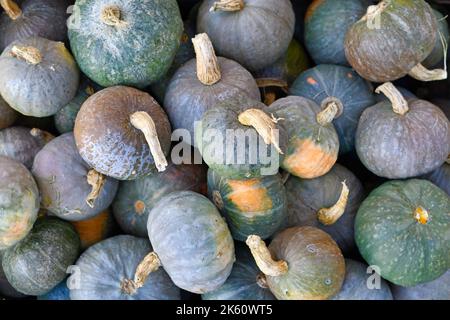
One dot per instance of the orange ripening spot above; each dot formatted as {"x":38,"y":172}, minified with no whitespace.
{"x":349,"y":75}
{"x":249,"y":195}
{"x":312,"y":8}
{"x":311,"y":81}
{"x":139,"y":207}
{"x":15,"y":232}
{"x":92,"y":230}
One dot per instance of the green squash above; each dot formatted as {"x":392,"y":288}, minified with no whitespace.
{"x":7,"y":114}
{"x":6,"y":290}
{"x":253,"y":206}
{"x":192,"y":241}
{"x":438,"y":289}
{"x":403,"y":228}
{"x":39,"y":262}
{"x":125,"y":42}
{"x":19,"y":202}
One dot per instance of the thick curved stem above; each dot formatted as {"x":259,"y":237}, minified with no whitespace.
{"x":96,"y":180}
{"x":263,"y":124}
{"x":399,"y":103}
{"x":208,"y":70}
{"x":264,"y":259}
{"x":421,"y":73}
{"x":329,"y":216}
{"x":149,"y":264}
{"x":421,"y":215}
{"x":374,"y":11}
{"x":11,"y":8}
{"x":142,"y":121}
{"x":112,"y":16}
{"x":327,"y":115}
{"x":41,"y":134}
{"x":228,"y":5}
{"x":31,"y":55}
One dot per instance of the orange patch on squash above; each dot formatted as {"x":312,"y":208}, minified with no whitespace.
{"x":311,"y":81}
{"x":312,"y":8}
{"x":249,"y":195}
{"x":92,"y":230}
{"x":139,"y":207}
{"x":309,"y":161}
{"x":16,"y":232}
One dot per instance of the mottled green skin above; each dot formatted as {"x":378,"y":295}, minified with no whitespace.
{"x":437,"y":55}
{"x":388,"y":235}
{"x":6,"y":290}
{"x":192,"y":241}
{"x":261,"y":212}
{"x":438,"y":289}
{"x":136,"y":53}
{"x":38,"y":263}
{"x":19,"y":202}
{"x":7,"y":114}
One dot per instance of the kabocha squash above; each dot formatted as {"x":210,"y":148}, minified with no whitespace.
{"x":125,"y":42}
{"x":329,"y":202}
{"x":27,"y":18}
{"x":301,"y":263}
{"x":326,"y":23}
{"x":357,"y":281}
{"x":400,"y":139}
{"x":438,"y":289}
{"x":6,"y":290}
{"x":7,"y":114}
{"x":35,"y":265}
{"x":254,"y":33}
{"x":37,"y":76}
{"x":331,"y":84}
{"x":60,"y":292}
{"x":403,"y":227}
{"x":137,"y":198}
{"x":313,"y":141}
{"x":19,"y":202}
{"x":123,"y":133}
{"x":245,"y":282}
{"x":440,"y":49}
{"x":405,"y":93}
{"x":203,"y":83}
{"x":238,"y":139}
{"x":254,"y":206}
{"x":120,"y":268}
{"x":70,"y":189}
{"x":441,"y":176}
{"x":392,"y":39}
{"x":192,"y":241}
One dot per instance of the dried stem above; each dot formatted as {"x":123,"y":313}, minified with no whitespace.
{"x":329,"y":216}
{"x":399,"y":103}
{"x":208,"y":70}
{"x":264,"y":259}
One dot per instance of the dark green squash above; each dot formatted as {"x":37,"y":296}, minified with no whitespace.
{"x":327,"y":204}
{"x":125,"y":42}
{"x":6,"y":290}
{"x":254,"y":206}
{"x":60,"y":292}
{"x":313,"y":141}
{"x":7,"y":114}
{"x":400,"y":139}
{"x":301,"y":263}
{"x":39,"y":262}
{"x":37,"y":76}
{"x":403,"y":228}
{"x":204,"y":82}
{"x":438,"y":289}
{"x":135,"y":199}
{"x":117,"y":269}
{"x":437,"y":55}
{"x":19,"y":202}
{"x":123,"y":133}
{"x":327,"y":84}
{"x":192,"y":241}
{"x":245,"y":282}
{"x":254,"y":33}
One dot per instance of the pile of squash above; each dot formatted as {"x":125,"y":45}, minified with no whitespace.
{"x":115,"y":185}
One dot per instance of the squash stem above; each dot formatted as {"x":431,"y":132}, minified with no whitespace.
{"x":264,"y":259}
{"x":263,"y":124}
{"x":96,"y":180}
{"x":112,"y":16}
{"x":31,"y":55}
{"x":142,"y":121}
{"x":329,"y":216}
{"x":421,"y":215}
{"x":228,"y":5}
{"x":149,"y":264}
{"x":421,"y":73}
{"x":208,"y":70}
{"x":374,"y":11}
{"x":11,"y":8}
{"x":399,"y":103}
{"x":331,"y":109}
{"x":41,"y":134}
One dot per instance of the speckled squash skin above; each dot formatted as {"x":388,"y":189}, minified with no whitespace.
{"x":404,"y":37}
{"x":216,"y":149}
{"x":60,"y":292}
{"x":356,"y":282}
{"x":135,"y":199}
{"x":19,"y":202}
{"x":326,"y":23}
{"x":192,"y":241}
{"x":242,"y":284}
{"x":255,"y":206}
{"x":108,"y":141}
{"x":388,"y":234}
{"x":438,"y":289}
{"x":6,"y":290}
{"x":19,"y":144}
{"x":316,"y":265}
{"x":43,"y":18}
{"x":437,"y":55}
{"x":7,"y":114}
{"x":105,"y":265}
{"x":306,"y":197}
{"x":38,"y":263}
{"x":354,"y":93}
{"x":255,"y":37}
{"x":398,"y":146}
{"x":137,"y":52}
{"x":61,"y":175}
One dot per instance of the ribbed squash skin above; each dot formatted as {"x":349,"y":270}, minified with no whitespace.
{"x":389,"y":236}
{"x":438,"y":289}
{"x":192,"y":241}
{"x":7,"y":114}
{"x":344,"y":84}
{"x":136,"y":53}
{"x":255,"y":206}
{"x":38,"y":263}
{"x":19,"y":202}
{"x":106,"y":264}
